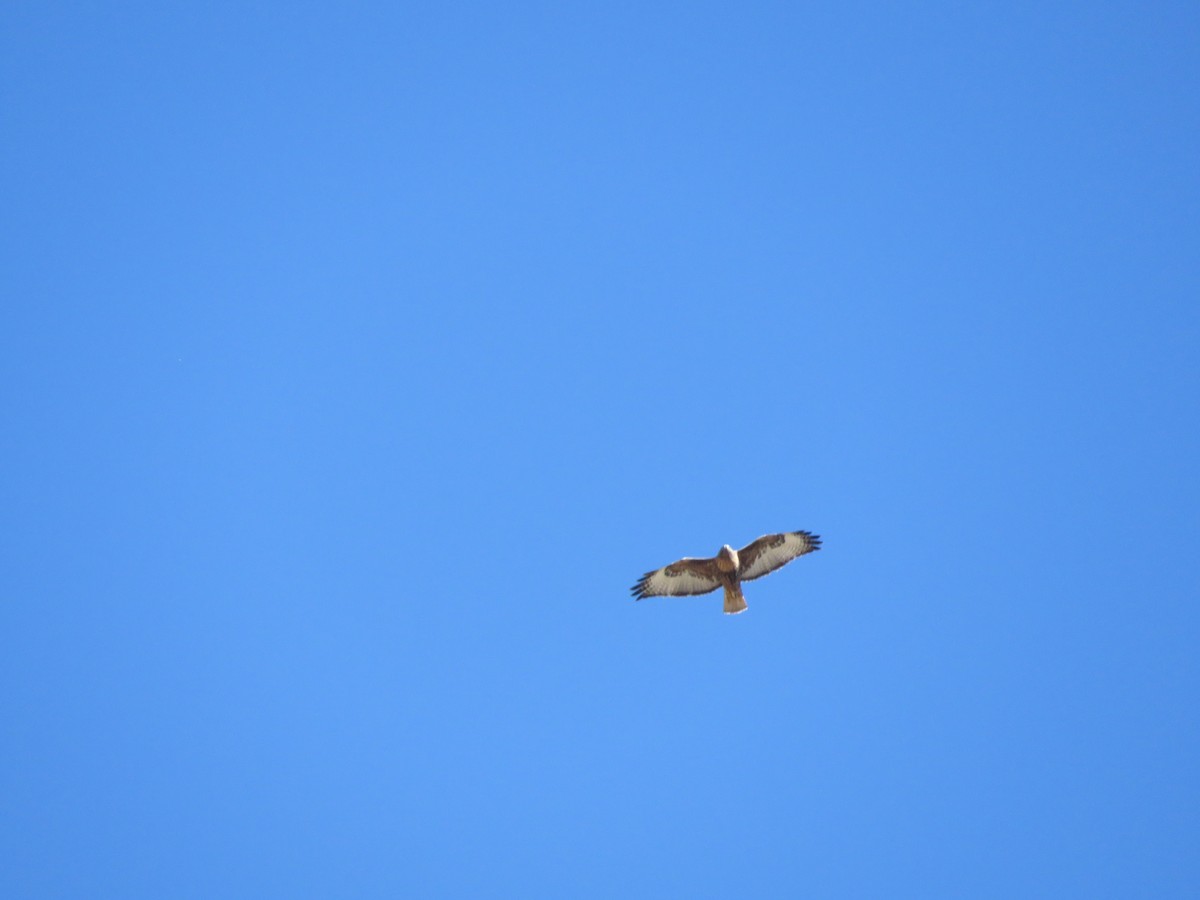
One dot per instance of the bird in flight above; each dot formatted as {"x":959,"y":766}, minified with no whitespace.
{"x":728,"y":569}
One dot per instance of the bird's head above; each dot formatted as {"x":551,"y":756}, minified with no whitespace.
{"x":728,"y":554}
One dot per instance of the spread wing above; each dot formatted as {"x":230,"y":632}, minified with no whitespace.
{"x":771,"y":551}
{"x":688,"y":576}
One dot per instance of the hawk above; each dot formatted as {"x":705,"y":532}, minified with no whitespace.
{"x":728,"y":569}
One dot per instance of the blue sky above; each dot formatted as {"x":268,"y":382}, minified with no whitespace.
{"x":357,"y":359}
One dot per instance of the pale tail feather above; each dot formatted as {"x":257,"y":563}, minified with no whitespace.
{"x":734,"y":601}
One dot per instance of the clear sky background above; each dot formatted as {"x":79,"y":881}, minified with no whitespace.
{"x":357,"y":358}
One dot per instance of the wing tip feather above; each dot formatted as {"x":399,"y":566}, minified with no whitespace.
{"x":642,"y":587}
{"x":813,"y":540}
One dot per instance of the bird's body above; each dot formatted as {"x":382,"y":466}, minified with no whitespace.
{"x":728,"y":569}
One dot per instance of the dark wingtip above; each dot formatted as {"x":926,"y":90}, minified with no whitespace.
{"x":814,"y":540}
{"x":639,"y":590}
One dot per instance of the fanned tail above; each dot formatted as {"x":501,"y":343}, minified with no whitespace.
{"x":734,"y":601}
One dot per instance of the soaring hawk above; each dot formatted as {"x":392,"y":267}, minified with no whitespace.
{"x":728,"y":569}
